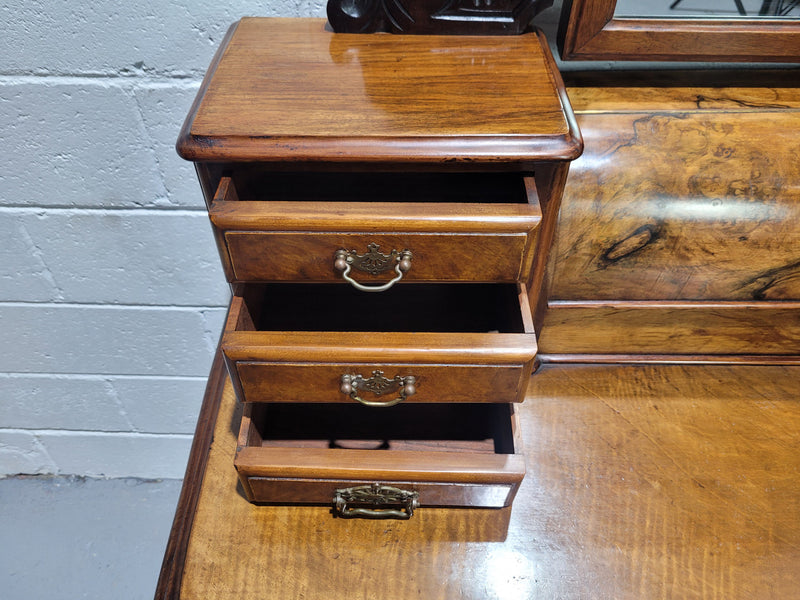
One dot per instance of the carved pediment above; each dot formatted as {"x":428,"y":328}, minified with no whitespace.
{"x":489,"y":17}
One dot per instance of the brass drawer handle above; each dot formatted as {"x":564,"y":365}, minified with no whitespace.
{"x":378,"y":497}
{"x":374,"y":263}
{"x":378,"y":385}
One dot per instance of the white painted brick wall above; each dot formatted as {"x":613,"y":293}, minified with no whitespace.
{"x":111,"y":294}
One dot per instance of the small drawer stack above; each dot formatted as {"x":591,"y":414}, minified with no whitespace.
{"x":383,"y":207}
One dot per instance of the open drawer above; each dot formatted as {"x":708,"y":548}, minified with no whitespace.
{"x":380,"y":463}
{"x":416,"y":342}
{"x":443,"y":226}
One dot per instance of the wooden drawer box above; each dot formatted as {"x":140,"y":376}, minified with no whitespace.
{"x":279,"y":226}
{"x":441,"y":454}
{"x":461,"y":342}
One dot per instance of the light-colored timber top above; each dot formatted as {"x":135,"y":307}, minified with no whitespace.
{"x":642,"y":482}
{"x":290,"y":90}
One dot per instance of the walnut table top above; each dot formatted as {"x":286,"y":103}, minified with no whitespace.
{"x":643,"y":482}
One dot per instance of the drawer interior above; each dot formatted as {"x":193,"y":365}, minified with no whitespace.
{"x":254,"y":184}
{"x":473,"y":428}
{"x":440,"y":307}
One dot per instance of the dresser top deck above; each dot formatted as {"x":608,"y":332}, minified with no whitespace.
{"x":290,"y":90}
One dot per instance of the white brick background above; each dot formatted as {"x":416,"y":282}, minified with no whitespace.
{"x":111,"y":294}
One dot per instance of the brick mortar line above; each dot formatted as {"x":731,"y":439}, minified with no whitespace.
{"x":96,"y":433}
{"x":98,"y":376}
{"x":37,"y":210}
{"x":191,"y":81}
{"x":149,"y":307}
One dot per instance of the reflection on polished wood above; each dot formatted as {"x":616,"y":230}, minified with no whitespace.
{"x":476,"y":17}
{"x":287,"y":90}
{"x":643,"y":482}
{"x":693,"y":207}
{"x":680,"y":225}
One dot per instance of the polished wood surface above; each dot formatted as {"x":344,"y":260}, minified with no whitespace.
{"x":305,"y":360}
{"x":468,"y":237}
{"x":590,"y":31}
{"x":643,"y":482}
{"x":694,"y":92}
{"x":686,"y":205}
{"x":680,"y":227}
{"x":494,"y":17}
{"x":672,"y":328}
{"x":287,"y":90}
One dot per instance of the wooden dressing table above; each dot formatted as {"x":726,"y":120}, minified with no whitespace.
{"x":642,"y":481}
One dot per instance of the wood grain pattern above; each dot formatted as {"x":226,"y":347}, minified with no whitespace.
{"x":319,"y":382}
{"x":672,"y":328}
{"x":590,"y":31}
{"x":169,"y":582}
{"x":643,"y":482}
{"x":682,"y":206}
{"x":640,"y":93}
{"x":289,"y":256}
{"x":680,"y":228}
{"x":288,"y":90}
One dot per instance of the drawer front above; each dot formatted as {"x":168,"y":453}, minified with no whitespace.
{"x":430,"y":494}
{"x":274,"y":359}
{"x":315,"y":382}
{"x":445,"y":256}
{"x":471,"y":241}
{"x":444,"y":459}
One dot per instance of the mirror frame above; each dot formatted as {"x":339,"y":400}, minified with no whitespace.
{"x":590,"y":31}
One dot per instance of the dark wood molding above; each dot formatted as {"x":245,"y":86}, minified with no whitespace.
{"x":590,"y":31}
{"x":464,"y":17}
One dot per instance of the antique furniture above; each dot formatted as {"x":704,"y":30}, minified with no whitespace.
{"x":643,"y":480}
{"x":679,"y":235}
{"x":384,"y":207}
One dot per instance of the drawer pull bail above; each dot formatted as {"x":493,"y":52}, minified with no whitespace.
{"x":374,"y":502}
{"x":378,"y":385}
{"x":374,"y":263}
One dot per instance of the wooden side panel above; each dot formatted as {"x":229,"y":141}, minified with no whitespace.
{"x":682,"y":206}
{"x":678,"y":329}
{"x":679,"y":232}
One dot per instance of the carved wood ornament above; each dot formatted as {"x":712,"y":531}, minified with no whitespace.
{"x":479,"y":17}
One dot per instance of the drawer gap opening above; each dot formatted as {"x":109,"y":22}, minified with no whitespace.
{"x":440,"y":307}
{"x":489,"y":188}
{"x":474,"y":428}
